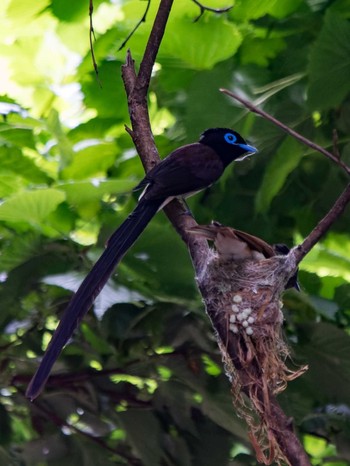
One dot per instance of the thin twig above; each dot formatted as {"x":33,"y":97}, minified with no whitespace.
{"x":288,"y":130}
{"x":204,"y":8}
{"x":91,"y":39}
{"x":142,"y":20}
{"x":323,"y":226}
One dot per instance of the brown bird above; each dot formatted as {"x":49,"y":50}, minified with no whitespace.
{"x":237,"y":245}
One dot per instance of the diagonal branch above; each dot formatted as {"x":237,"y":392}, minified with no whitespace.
{"x":288,"y":130}
{"x":323,"y":226}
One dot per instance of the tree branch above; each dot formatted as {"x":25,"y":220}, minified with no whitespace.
{"x":288,"y":130}
{"x":136,"y":86}
{"x":300,"y":251}
{"x":324,"y":225}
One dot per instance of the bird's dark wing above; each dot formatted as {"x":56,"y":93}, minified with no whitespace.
{"x":187,"y":169}
{"x":119,"y":243}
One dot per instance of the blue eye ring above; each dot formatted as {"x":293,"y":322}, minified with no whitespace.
{"x":230,"y":138}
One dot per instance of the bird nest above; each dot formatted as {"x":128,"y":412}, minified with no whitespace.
{"x":243,"y":301}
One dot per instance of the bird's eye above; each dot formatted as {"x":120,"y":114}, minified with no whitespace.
{"x":230,"y":138}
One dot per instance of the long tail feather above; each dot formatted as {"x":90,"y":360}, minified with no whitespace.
{"x":118,"y":244}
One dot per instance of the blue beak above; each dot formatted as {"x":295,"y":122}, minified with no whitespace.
{"x":248,"y":148}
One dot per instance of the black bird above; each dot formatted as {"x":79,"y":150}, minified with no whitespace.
{"x":237,"y":245}
{"x":185,"y":171}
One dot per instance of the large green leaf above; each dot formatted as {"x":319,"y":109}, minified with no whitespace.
{"x":330,"y":64}
{"x":250,"y":9}
{"x":93,"y":160}
{"x":285,"y":8}
{"x":82,"y":192}
{"x":32,"y":207}
{"x":14,"y":161}
{"x":326,"y":350}
{"x":16,"y":135}
{"x":184,"y":41}
{"x":283,"y":163}
{"x":260,"y":52}
{"x":330,"y":259}
{"x":109,"y":97}
{"x":10,"y":183}
{"x":146,"y":441}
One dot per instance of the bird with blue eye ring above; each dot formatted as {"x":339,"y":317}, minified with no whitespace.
{"x":185,"y":171}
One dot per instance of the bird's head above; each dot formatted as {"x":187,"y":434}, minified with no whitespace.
{"x":228,"y":144}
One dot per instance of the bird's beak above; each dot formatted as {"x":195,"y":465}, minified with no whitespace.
{"x":248,"y":148}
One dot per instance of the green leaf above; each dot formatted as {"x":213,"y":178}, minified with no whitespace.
{"x":10,"y":184}
{"x":329,"y":66}
{"x":145,"y":440}
{"x":19,"y":250}
{"x":261,"y":51}
{"x":93,"y":160}
{"x":342,"y":296}
{"x":285,"y":8}
{"x":341,"y":7}
{"x":31,"y":207}
{"x":83,"y":192}
{"x":23,"y":11}
{"x":250,"y":9}
{"x":284,"y":162}
{"x":13,"y":161}
{"x":329,"y":259}
{"x":108,"y":99}
{"x":64,"y":146}
{"x":17,"y":135}
{"x":326,"y":350}
{"x":67,"y":11}
{"x":184,"y":41}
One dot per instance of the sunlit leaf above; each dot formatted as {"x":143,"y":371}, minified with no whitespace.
{"x":12,"y":160}
{"x":250,"y":9}
{"x":282,"y":9}
{"x":184,"y":41}
{"x":326,"y":261}
{"x":10,"y":184}
{"x":93,"y":160}
{"x":31,"y":207}
{"x":81,"y":192}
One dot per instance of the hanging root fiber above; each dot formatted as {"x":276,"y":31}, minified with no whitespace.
{"x":243,"y":301}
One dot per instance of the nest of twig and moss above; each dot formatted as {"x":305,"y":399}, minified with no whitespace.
{"x":243,"y":301}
